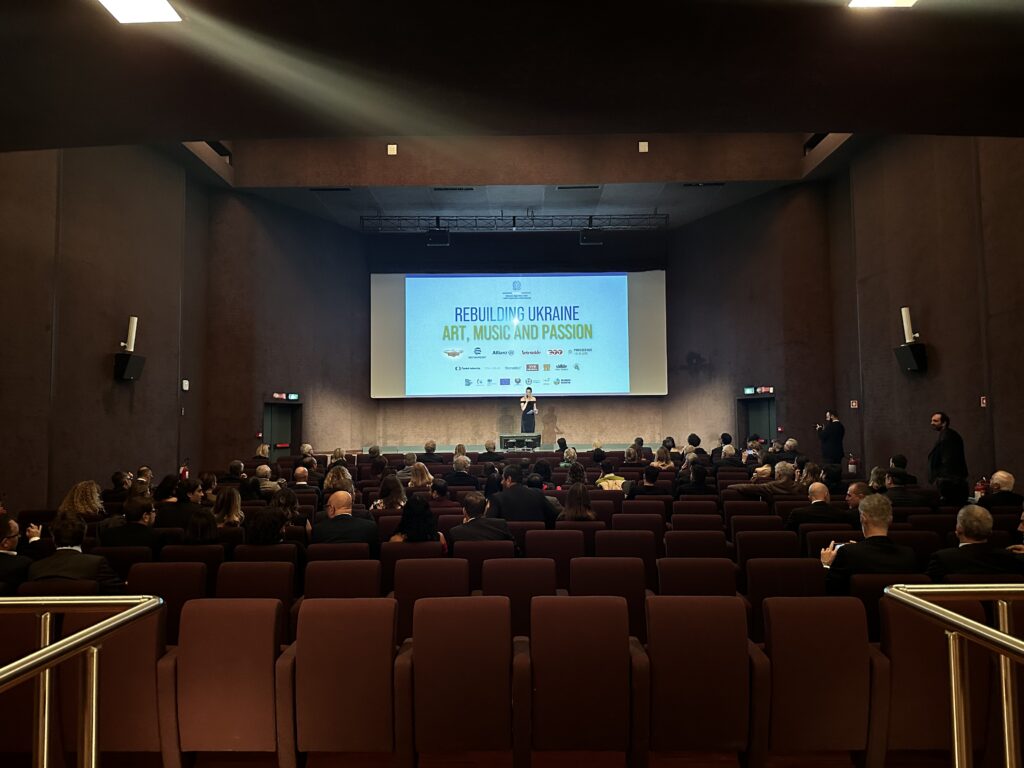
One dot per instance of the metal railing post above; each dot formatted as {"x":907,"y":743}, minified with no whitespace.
{"x":88,"y":741}
{"x":958,"y":700}
{"x":44,"y":689}
{"x":1008,"y":694}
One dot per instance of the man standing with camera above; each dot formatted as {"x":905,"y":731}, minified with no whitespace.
{"x":831,"y":434}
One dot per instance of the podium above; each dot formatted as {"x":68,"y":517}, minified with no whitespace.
{"x":519,"y":442}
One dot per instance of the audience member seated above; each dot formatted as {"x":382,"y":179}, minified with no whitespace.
{"x":264,"y":484}
{"x":663,"y":459}
{"x":145,"y":473}
{"x":789,"y":453}
{"x":177,"y":514}
{"x":301,"y":483}
{"x":475,"y":525}
{"x":264,"y":526}
{"x":561,"y":446}
{"x":338,"y":457}
{"x":692,"y":482}
{"x":717,"y":454}
{"x":140,"y":488}
{"x":693,"y":445}
{"x":597,"y":454}
{"x":13,"y":567}
{"x":421,"y":478}
{"x":202,"y":527}
{"x":208,"y":482}
{"x":263,"y":457}
{"x":341,"y":527}
{"x":807,"y":474}
{"x":492,"y":480}
{"x":378,"y":468}
{"x":313,"y":475}
{"x":489,"y":453}
{"x":68,"y":562}
{"x":647,"y":486}
{"x":855,"y":494}
{"x":900,"y":493}
{"x":339,"y":479}
{"x":405,"y":472}
{"x":137,"y":528}
{"x":832,"y":477}
{"x":875,"y":554}
{"x":163,"y":493}
{"x":440,"y":498}
{"x":784,"y":483}
{"x":247,"y":488}
{"x":392,"y":497}
{"x":974,"y":554}
{"x":418,"y":524}
{"x":727,"y":457}
{"x":876,"y":480}
{"x":632,"y":459}
{"x":286,"y":501}
{"x":459,"y":476}
{"x":543,"y":469}
{"x":609,"y":481}
{"x":576,"y":474}
{"x":899,"y":461}
{"x":568,"y":458}
{"x":820,"y":510}
{"x":430,"y":455}
{"x":459,"y":450}
{"x":120,"y":482}
{"x":518,"y":503}
{"x":577,"y":504}
{"x":1000,"y":492}
{"x":227,"y":510}
{"x":83,"y":500}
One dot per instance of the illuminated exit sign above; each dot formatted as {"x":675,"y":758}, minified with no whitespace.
{"x":285,"y":395}
{"x":759,"y":390}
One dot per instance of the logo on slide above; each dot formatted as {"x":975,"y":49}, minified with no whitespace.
{"x":554,"y":351}
{"x":529,"y":381}
{"x":533,"y":367}
{"x":504,"y":382}
{"x":453,"y":352}
{"x":517,"y":285}
{"x":531,"y":351}
{"x":547,"y":366}
{"x":561,"y":367}
{"x":503,"y":352}
{"x":519,"y":381}
{"x":469,"y":382}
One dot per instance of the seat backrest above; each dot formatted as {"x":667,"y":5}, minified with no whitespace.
{"x":700,"y":679}
{"x":429,"y":577}
{"x":810,"y":640}
{"x":696,"y":576}
{"x":440,"y":651}
{"x":700,"y":507}
{"x":348,"y":550}
{"x":869,"y":588}
{"x":265,"y":553}
{"x":696,"y":522}
{"x":342,"y":579}
{"x":57,"y":588}
{"x":476,"y":553}
{"x":747,"y":507}
{"x":739,"y":523}
{"x":643,"y":522}
{"x":780,"y":577}
{"x":365,"y":665}
{"x":210,"y":554}
{"x":128,"y":717}
{"x":393,"y":551}
{"x":643,"y":506}
{"x":839,"y":532}
{"x":922,"y":542}
{"x":122,"y":559}
{"x":620,"y":576}
{"x":752,"y":544}
{"x":603,"y":509}
{"x":260,"y":579}
{"x":227,"y":650}
{"x":696,"y":544}
{"x":520,"y":580}
{"x":560,"y":545}
{"x":176,"y":583}
{"x":581,"y":688}
{"x":640,"y":544}
{"x":446,"y":522}
{"x":519,"y":529}
{"x":916,"y":647}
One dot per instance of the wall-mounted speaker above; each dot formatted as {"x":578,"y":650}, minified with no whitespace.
{"x":912,"y":357}
{"x":128,"y":366}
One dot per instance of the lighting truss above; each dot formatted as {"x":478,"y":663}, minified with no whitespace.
{"x":569,"y":223}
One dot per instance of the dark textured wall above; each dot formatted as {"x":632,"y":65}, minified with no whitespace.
{"x":98,"y":234}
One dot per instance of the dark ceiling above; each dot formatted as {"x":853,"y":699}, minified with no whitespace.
{"x":270,"y":68}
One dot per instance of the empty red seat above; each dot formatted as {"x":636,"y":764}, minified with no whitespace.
{"x":739,"y":523}
{"x":419,"y":578}
{"x":176,"y":583}
{"x":780,"y":577}
{"x":588,"y":527}
{"x":752,"y":544}
{"x":446,"y":522}
{"x":520,"y":580}
{"x":559,"y":545}
{"x":687,"y":506}
{"x":731,"y":509}
{"x":645,"y":506}
{"x":475,"y":553}
{"x":519,"y":529}
{"x":869,"y":588}
{"x":350,"y":550}
{"x":393,"y":551}
{"x":621,"y":576}
{"x":697,"y":522}
{"x":342,"y":579}
{"x":922,"y":542}
{"x":697,"y":544}
{"x":286,"y":552}
{"x":696,"y":576}
{"x":639,"y":544}
{"x":603,"y":509}
{"x":643,"y":522}
{"x":122,"y":559}
{"x":212,"y":555}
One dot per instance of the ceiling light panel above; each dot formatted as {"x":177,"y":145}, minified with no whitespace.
{"x":141,"y":11}
{"x":882,"y":3}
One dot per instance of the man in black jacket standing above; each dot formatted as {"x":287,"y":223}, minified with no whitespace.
{"x":831,"y":434}
{"x":947,"y":464}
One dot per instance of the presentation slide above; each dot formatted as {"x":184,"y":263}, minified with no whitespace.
{"x":472,"y":335}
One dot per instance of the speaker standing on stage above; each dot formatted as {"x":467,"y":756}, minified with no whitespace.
{"x":528,"y":405}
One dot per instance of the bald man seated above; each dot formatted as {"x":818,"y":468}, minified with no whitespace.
{"x":1000,"y":493}
{"x":820,"y":510}
{"x":340,"y":526}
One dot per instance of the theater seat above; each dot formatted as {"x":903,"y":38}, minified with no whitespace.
{"x":419,"y":578}
{"x":696,"y":522}
{"x":591,"y":696}
{"x":643,"y":522}
{"x":520,"y":580}
{"x":476,"y":553}
{"x":330,"y":722}
{"x":393,"y":551}
{"x":176,"y":583}
{"x":260,"y":580}
{"x":122,"y":559}
{"x":869,"y":587}
{"x":217,"y":688}
{"x":639,"y":544}
{"x":697,"y":544}
{"x":355,"y":550}
{"x":696,"y":576}
{"x":210,"y":554}
{"x":620,"y":576}
{"x":780,"y":577}
{"x":818,"y":645}
{"x":588,"y":527}
{"x":559,"y":545}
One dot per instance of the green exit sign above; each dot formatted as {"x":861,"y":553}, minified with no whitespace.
{"x":748,"y":390}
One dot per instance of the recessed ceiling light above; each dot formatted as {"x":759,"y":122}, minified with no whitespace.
{"x":882,"y":3}
{"x":392,"y":149}
{"x":642,"y":146}
{"x":141,"y":11}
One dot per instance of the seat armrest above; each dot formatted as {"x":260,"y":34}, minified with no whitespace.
{"x":405,"y":731}
{"x":878,"y":714}
{"x":522,"y":702}
{"x":760,"y":706}
{"x":284,"y":676}
{"x":640,"y":727}
{"x":167,"y":708}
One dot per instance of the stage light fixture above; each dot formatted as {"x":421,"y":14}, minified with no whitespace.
{"x":882,"y":3}
{"x":141,"y":11}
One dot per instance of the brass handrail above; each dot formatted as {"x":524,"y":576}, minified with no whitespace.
{"x":86,"y":641}
{"x":960,"y":629}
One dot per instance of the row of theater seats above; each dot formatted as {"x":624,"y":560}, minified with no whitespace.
{"x":580,"y":687}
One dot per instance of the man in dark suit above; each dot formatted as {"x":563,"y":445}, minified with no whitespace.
{"x":13,"y":567}
{"x":790,"y":453}
{"x":475,"y":526}
{"x":459,"y":476}
{"x":727,"y":457}
{"x":137,"y":529}
{"x":974,"y":555}
{"x":313,"y":474}
{"x":177,"y":514}
{"x":694,"y":482}
{"x":440,"y":500}
{"x":340,"y":526}
{"x":430,"y":456}
{"x":947,"y":464}
{"x":302,"y":483}
{"x":118,"y":490}
{"x":68,"y":562}
{"x":875,"y":554}
{"x":716,"y":453}
{"x":901,"y":494}
{"x":518,"y":503}
{"x":648,"y":486}
{"x":899,"y":461}
{"x":831,"y":435}
{"x":1000,"y":492}
{"x":489,"y":454}
{"x":820,"y":510}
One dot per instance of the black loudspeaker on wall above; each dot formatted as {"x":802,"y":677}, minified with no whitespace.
{"x":912,"y":357}
{"x":128,"y":366}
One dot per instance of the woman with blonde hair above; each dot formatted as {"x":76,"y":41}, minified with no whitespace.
{"x":340,"y":479}
{"x":460,"y":450}
{"x":632,"y":458}
{"x":227,"y":509}
{"x":420,"y":479}
{"x":663,"y":459}
{"x":568,"y":458}
{"x":83,"y":500}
